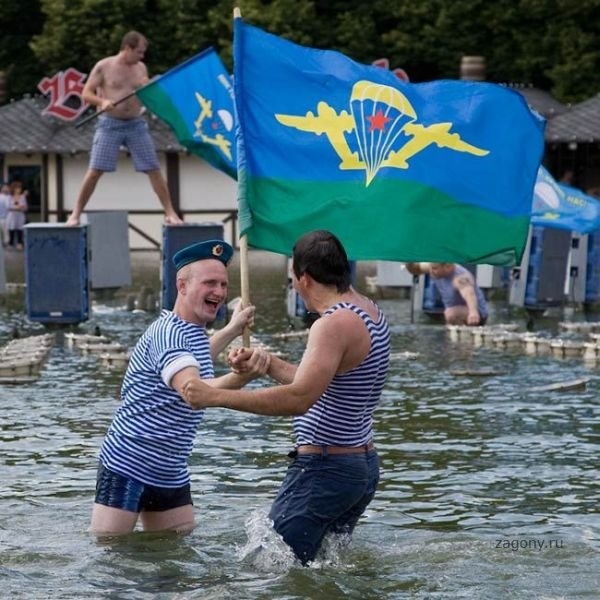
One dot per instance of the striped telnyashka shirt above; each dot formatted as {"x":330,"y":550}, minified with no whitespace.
{"x":153,"y":431}
{"x":343,"y":415}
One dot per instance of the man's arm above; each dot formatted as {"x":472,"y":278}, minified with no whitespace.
{"x":280,"y":370}
{"x":465,"y":285}
{"x":145,"y":78}
{"x":257,"y":366}
{"x":240,"y":319}
{"x":320,"y":362}
{"x":95,"y":82}
{"x":417,"y":268}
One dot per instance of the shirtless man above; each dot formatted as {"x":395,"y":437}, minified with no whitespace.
{"x":121,"y":123}
{"x":464,"y":302}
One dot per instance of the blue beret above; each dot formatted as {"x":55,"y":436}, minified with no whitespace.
{"x":217,"y":249}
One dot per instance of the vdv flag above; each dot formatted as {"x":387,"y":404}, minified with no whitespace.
{"x":440,"y":171}
{"x":196,"y":99}
{"x":562,"y":206}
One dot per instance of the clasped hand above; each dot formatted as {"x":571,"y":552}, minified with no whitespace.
{"x":241,"y":317}
{"x":249,"y":363}
{"x":252,"y":361}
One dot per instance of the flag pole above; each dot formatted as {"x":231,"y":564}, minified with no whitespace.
{"x":244,"y":273}
{"x":99,"y":112}
{"x":415,"y":282}
{"x":244,"y":284}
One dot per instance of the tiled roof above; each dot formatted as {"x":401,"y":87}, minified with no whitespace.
{"x":23,"y":128}
{"x":581,"y":123}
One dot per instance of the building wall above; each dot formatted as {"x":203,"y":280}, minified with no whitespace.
{"x":20,"y":159}
{"x":206,"y":189}
{"x":51,"y":182}
{"x":202,"y":188}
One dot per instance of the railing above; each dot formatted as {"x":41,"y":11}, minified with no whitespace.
{"x":229,"y":218}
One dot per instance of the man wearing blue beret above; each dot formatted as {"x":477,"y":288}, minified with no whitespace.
{"x":143,"y":467}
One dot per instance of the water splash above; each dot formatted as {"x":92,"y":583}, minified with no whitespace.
{"x":265,"y":548}
{"x":267,"y":552}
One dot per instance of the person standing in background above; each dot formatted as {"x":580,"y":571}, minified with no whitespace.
{"x":16,"y":219}
{"x":112,"y":79}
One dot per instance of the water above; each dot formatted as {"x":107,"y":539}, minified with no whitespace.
{"x":488,"y":490}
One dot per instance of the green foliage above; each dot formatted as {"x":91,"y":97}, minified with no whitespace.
{"x":552,"y":44}
{"x":79,"y":32}
{"x":17,"y":61}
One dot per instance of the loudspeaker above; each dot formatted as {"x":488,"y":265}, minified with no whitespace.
{"x":108,"y":243}
{"x":56,"y":273}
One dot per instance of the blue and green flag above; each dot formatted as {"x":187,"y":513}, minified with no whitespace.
{"x":440,"y":171}
{"x":196,"y":99}
{"x":560,"y":206}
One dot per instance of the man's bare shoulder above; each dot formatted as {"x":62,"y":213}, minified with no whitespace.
{"x":336,"y":325}
{"x":104,"y":64}
{"x":142,"y":72}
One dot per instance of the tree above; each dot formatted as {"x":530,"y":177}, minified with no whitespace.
{"x":551,"y":44}
{"x":77,"y":33}
{"x":17,"y":61}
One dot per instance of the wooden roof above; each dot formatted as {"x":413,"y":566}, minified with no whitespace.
{"x":25,"y":129}
{"x":580,"y":123}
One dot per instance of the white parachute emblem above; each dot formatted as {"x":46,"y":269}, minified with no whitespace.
{"x":545,"y":193}
{"x":380,"y":114}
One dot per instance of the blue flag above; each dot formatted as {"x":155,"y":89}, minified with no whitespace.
{"x":440,"y":171}
{"x":561,"y":206}
{"x":196,"y":99}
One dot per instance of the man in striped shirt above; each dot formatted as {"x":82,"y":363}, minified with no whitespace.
{"x":331,"y":394}
{"x":143,"y":470}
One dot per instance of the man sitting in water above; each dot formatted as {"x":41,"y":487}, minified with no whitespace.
{"x":464,"y":302}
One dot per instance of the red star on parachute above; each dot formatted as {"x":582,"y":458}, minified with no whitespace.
{"x":378,"y":121}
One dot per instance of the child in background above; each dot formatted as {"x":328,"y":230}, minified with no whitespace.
{"x":15,"y":220}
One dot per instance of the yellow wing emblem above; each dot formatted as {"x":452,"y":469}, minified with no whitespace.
{"x":380,"y":118}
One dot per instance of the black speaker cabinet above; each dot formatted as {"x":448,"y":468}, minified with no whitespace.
{"x":56,"y":273}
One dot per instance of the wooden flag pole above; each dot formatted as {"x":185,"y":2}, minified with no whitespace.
{"x":244,"y":275}
{"x":244,"y":284}
{"x":415,"y":282}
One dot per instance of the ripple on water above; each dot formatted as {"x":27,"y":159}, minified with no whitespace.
{"x":467,"y":462}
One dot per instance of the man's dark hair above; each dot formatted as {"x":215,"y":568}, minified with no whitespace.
{"x":321,"y":255}
{"x":132,"y":39}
